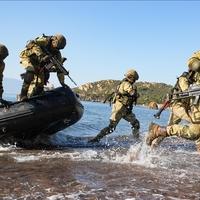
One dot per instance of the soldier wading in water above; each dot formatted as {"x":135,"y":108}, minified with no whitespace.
{"x":124,"y":98}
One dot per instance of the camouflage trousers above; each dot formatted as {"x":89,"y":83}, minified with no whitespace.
{"x":174,"y":128}
{"x":178,"y":113}
{"x":119,"y":111}
{"x":36,"y":84}
{"x":190,"y":131}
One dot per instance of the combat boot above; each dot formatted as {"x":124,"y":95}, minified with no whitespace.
{"x":155,"y":131}
{"x":104,"y":132}
{"x":136,"y":132}
{"x":136,"y":129}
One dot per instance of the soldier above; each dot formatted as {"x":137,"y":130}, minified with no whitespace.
{"x":124,"y":98}
{"x":34,"y":57}
{"x":189,"y":111}
{"x":3,"y":54}
{"x":179,"y":107}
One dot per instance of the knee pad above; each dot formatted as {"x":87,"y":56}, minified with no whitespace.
{"x":28,"y":77}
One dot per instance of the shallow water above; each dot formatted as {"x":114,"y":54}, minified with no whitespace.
{"x":120,"y":167}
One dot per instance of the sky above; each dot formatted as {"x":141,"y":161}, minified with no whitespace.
{"x":106,"y":38}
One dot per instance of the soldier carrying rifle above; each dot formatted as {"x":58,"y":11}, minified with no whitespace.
{"x":125,"y":97}
{"x":40,"y":57}
{"x":185,"y":104}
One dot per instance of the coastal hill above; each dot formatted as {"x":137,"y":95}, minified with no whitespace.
{"x":98,"y":91}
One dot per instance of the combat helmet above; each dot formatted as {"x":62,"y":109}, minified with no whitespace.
{"x":194,"y":64}
{"x":59,"y":41}
{"x":132,"y":75}
{"x":3,"y":51}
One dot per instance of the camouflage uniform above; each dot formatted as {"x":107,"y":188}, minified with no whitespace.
{"x":122,"y":107}
{"x":191,"y":131}
{"x":3,"y":54}
{"x":179,"y":107}
{"x":191,"y":114}
{"x":124,"y":98}
{"x":34,"y":58}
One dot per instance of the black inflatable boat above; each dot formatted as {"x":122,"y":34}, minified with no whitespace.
{"x":41,"y":115}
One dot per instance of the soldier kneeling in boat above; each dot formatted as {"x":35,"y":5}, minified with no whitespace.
{"x":3,"y":54}
{"x":124,"y":98}
{"x":35,"y":57}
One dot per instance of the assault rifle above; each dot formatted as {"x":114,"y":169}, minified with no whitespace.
{"x":57,"y":64}
{"x":109,"y":98}
{"x":191,"y":92}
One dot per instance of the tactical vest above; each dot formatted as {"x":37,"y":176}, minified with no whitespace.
{"x":33,"y":51}
{"x":125,"y":98}
{"x":189,"y":76}
{"x":195,"y":108}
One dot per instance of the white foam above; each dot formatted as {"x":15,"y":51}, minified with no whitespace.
{"x":7,"y":147}
{"x":173,"y":198}
{"x":56,"y":197}
{"x":158,"y":196}
{"x":77,"y":195}
{"x":86,"y":155}
{"x":140,"y":154}
{"x":137,"y":154}
{"x":26,"y":158}
{"x":130,"y":199}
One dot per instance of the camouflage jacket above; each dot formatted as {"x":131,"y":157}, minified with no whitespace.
{"x":34,"y":52}
{"x":31,"y":57}
{"x":127,"y":93}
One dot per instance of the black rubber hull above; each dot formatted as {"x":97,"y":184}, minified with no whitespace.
{"x":42,"y":115}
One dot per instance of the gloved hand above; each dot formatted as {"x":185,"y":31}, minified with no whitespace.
{"x":4,"y":103}
{"x":45,"y":59}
